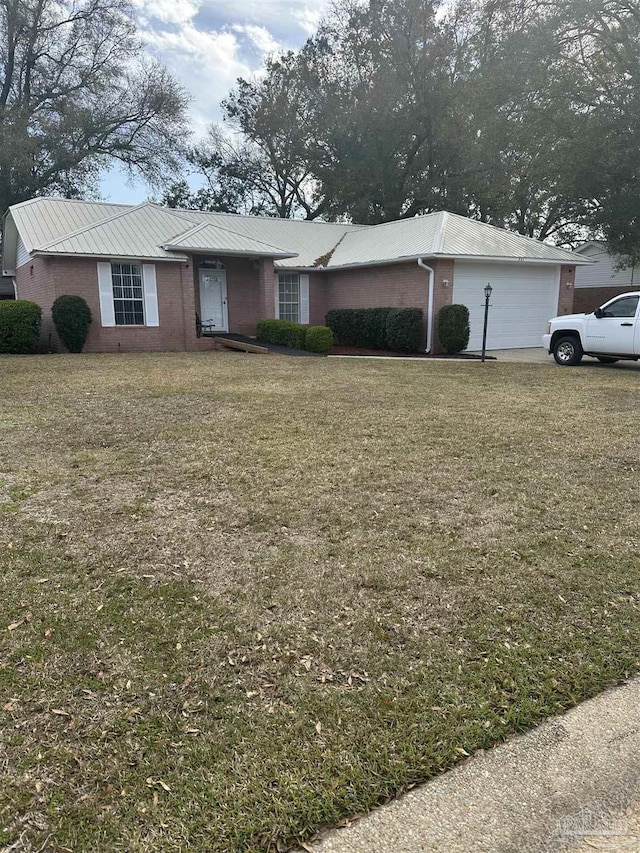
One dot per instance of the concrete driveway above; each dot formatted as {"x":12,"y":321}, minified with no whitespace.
{"x":536,"y":355}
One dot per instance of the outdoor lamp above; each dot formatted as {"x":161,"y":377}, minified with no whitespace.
{"x":488,"y":291}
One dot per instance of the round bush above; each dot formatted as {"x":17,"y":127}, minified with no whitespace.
{"x":19,"y":326}
{"x":318,"y":339}
{"x":72,"y":318}
{"x":453,"y":328}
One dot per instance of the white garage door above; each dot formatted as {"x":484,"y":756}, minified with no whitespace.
{"x":525,"y":297}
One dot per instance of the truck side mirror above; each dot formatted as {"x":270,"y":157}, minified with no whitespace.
{"x":599,"y":313}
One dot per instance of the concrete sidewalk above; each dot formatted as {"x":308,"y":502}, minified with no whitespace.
{"x":572,"y":784}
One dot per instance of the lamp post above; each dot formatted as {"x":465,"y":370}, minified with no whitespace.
{"x":487,"y":296}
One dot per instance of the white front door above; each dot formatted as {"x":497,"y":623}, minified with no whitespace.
{"x":213,"y":300}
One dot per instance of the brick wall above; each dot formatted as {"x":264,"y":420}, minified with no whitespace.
{"x":587,"y":299}
{"x":567,"y":290}
{"x":34,"y":281}
{"x":397,"y":285}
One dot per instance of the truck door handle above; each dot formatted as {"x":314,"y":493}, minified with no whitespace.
{"x":626,"y":324}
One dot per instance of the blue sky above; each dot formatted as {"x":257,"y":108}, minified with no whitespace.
{"x":207,"y":45}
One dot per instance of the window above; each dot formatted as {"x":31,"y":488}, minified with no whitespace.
{"x":128,"y":294}
{"x":626,"y":307}
{"x":289,"y":297}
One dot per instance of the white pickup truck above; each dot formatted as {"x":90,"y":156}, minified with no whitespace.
{"x":610,"y":333}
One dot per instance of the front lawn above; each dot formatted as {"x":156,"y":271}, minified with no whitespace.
{"x":246,"y":597}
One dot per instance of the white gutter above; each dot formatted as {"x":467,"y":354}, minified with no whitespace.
{"x":432,"y":276}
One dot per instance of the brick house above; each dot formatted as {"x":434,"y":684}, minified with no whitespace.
{"x":155,"y":277}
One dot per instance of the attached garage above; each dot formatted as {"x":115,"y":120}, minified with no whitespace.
{"x":525,"y":297}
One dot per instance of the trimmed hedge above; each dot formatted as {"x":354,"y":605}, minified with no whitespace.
{"x":318,"y":339}
{"x":377,"y":328}
{"x":19,"y":326}
{"x":295,"y":335}
{"x":404,"y":329}
{"x":453,"y":328}
{"x":359,"y":327}
{"x":282,"y":332}
{"x":72,"y":318}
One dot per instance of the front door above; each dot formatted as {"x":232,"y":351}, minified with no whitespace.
{"x":614,"y":331}
{"x":213,"y":300}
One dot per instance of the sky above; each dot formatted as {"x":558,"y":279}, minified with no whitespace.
{"x":207,"y":45}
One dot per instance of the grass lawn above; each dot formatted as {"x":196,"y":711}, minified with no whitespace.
{"x":243,"y":598}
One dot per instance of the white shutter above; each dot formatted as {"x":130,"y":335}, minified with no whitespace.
{"x":150,"y":295}
{"x":304,"y":300}
{"x":277,"y":296}
{"x":105,"y":287}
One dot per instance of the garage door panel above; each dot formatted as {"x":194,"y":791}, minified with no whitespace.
{"x":525,"y":297}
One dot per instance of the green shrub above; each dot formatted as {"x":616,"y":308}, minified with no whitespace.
{"x":318,"y":339}
{"x":282,"y":332}
{"x":453,"y":328}
{"x":404,"y":329}
{"x":359,"y":327}
{"x":72,"y":318}
{"x":19,"y":326}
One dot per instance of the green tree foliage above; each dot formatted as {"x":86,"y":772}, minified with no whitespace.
{"x":76,"y":93}
{"x":521,"y":113}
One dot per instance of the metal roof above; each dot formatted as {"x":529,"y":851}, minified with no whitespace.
{"x":42,"y":220}
{"x":136,"y":232}
{"x":207,"y":237}
{"x":60,"y":226}
{"x":442,"y":235}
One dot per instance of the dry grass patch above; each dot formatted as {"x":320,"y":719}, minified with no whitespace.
{"x":244,"y":598}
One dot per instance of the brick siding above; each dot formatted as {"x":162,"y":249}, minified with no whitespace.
{"x":587,"y":299}
{"x":567,"y":290}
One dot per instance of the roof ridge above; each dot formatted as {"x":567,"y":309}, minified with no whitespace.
{"x":438,"y":242}
{"x":93,"y":225}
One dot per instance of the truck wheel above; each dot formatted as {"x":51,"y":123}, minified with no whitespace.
{"x":567,"y":351}
{"x":603,"y":359}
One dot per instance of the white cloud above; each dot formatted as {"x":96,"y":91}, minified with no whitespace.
{"x":309,"y":17}
{"x":208,"y":63}
{"x":167,"y":11}
{"x":260,"y":37}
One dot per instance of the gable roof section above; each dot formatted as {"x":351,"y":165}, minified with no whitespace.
{"x":443,"y":235}
{"x":136,"y":232}
{"x":311,"y":241}
{"x":42,"y":220}
{"x":208,"y":237}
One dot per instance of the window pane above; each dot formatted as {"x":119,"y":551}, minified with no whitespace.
{"x":128,"y":294}
{"x":626,"y":307}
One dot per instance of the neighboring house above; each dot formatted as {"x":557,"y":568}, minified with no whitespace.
{"x":155,"y":277}
{"x":601,"y":280}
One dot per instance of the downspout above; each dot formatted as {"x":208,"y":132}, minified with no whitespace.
{"x":432,"y":276}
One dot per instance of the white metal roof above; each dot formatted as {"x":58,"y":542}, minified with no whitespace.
{"x":443,"y":235}
{"x":42,"y":220}
{"x":208,"y":237}
{"x":60,"y":226}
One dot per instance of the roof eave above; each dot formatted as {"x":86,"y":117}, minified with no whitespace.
{"x":112,"y":257}
{"x":209,"y":250}
{"x":441,"y":256}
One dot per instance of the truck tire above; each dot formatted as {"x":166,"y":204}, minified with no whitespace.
{"x":568,"y":351}
{"x":603,"y":359}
